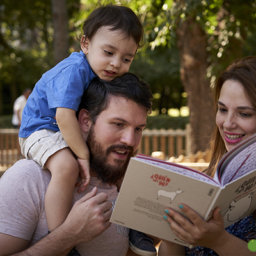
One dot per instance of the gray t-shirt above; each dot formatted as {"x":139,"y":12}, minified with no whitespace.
{"x":22,"y":214}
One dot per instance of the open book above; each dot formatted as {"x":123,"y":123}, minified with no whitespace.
{"x":150,"y":185}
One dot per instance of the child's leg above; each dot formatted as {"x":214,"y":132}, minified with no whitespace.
{"x":58,"y":198}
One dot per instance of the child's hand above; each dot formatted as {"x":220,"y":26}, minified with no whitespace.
{"x":84,"y":173}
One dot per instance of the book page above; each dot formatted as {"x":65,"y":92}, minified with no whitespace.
{"x":183,"y":170}
{"x":238,"y":199}
{"x":238,"y":162}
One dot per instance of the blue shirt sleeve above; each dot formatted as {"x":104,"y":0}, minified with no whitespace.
{"x":67,"y":88}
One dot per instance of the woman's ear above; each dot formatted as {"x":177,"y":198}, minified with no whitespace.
{"x":84,"y":43}
{"x":84,"y":120}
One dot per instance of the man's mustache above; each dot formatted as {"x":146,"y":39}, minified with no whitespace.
{"x":129,"y":149}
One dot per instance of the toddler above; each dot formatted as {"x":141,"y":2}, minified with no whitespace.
{"x":49,"y":132}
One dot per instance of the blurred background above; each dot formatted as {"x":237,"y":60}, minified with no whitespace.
{"x":187,"y":44}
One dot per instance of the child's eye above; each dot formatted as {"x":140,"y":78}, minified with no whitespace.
{"x":126,"y":60}
{"x":108,"y":52}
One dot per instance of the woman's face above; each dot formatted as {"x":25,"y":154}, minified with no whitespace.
{"x":236,"y":117}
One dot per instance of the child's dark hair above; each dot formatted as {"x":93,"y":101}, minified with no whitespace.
{"x":97,"y":95}
{"x":118,"y":18}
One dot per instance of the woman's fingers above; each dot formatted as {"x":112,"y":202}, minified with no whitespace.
{"x":189,"y":226}
{"x":193,"y":216}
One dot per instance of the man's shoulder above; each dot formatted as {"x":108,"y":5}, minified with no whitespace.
{"x":27,"y":170}
{"x":22,"y":201}
{"x":24,"y":165}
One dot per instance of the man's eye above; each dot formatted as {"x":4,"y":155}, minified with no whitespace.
{"x":139,"y":130}
{"x":119,"y":124}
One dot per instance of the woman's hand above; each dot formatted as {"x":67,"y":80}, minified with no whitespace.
{"x":193,"y":229}
{"x":211,"y":234}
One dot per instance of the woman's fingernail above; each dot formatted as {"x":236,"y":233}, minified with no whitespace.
{"x":166,"y":211}
{"x":165,"y":217}
{"x":181,"y":206}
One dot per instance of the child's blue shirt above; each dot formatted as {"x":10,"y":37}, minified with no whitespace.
{"x":61,"y":86}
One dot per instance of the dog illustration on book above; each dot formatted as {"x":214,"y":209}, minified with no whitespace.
{"x":168,"y":194}
{"x":238,"y":207}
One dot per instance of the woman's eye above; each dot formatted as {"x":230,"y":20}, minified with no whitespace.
{"x":221,"y":109}
{"x":243,"y":114}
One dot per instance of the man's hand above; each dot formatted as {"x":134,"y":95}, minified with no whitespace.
{"x":88,"y":217}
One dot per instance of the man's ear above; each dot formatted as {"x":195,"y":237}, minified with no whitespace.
{"x":84,"y":120}
{"x":84,"y":43}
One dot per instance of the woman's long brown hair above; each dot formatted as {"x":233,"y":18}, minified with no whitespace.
{"x":243,"y":71}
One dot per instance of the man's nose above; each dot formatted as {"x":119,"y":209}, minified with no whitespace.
{"x":128,"y":138}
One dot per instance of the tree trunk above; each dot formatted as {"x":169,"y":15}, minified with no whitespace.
{"x":60,"y":25}
{"x":1,"y":100}
{"x":192,"y":45}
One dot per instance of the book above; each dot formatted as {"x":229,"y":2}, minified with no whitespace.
{"x":151,"y":185}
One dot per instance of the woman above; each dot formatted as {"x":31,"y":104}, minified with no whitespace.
{"x":235,"y":96}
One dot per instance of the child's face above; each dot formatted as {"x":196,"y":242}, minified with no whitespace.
{"x":109,"y":53}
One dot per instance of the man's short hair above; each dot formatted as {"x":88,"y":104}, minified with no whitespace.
{"x":129,"y":86}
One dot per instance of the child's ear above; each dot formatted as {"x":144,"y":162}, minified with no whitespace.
{"x":84,"y":42}
{"x":84,"y":120}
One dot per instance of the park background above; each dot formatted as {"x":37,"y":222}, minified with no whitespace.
{"x":187,"y":44}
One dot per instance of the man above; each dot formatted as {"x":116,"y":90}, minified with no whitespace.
{"x":113,"y":114}
{"x":18,"y":107}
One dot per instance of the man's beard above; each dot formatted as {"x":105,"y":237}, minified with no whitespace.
{"x":98,"y":160}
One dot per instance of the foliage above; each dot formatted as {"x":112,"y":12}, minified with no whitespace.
{"x":230,"y":27}
{"x":26,"y":50}
{"x":6,"y":121}
{"x":160,"y":68}
{"x":26,"y":37}
{"x":153,"y":122}
{"x":167,"y":122}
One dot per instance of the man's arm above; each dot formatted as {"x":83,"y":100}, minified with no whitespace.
{"x":56,"y":243}
{"x":88,"y":218}
{"x":10,"y":244}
